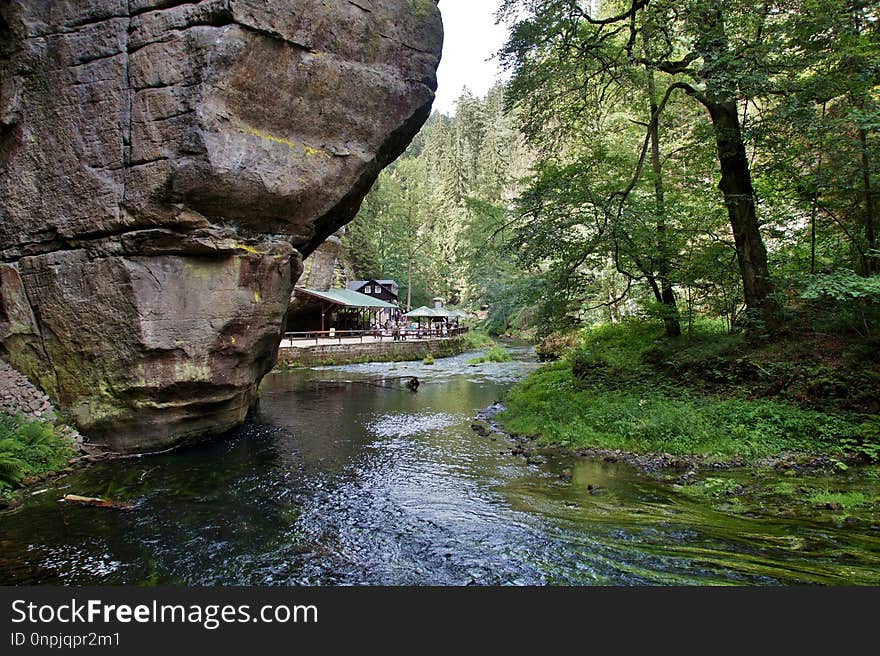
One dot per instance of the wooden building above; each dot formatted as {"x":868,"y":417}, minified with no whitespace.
{"x":339,"y":309}
{"x":384,"y":290}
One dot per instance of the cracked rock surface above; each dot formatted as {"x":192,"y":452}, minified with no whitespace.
{"x":164,"y":167}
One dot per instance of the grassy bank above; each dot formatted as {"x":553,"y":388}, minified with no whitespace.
{"x":29,"y":450}
{"x":719,"y":397}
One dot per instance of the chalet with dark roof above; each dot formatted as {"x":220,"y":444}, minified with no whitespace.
{"x":384,"y":290}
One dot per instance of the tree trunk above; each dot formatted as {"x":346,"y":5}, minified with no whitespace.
{"x":667,"y":294}
{"x":409,"y":259}
{"x":736,"y":178}
{"x":814,"y":206}
{"x":739,"y":197}
{"x":613,"y":312}
{"x":871,"y":259}
{"x":872,"y":262}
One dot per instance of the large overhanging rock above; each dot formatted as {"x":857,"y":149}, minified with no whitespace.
{"x":164,"y":167}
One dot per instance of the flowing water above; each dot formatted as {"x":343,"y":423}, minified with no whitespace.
{"x":345,"y":476}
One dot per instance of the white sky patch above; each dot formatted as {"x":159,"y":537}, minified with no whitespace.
{"x":470,"y":42}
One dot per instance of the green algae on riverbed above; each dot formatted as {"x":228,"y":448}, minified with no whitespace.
{"x":834,"y":498}
{"x":750,"y":533}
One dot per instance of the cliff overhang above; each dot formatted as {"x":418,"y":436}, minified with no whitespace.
{"x":164,"y":168}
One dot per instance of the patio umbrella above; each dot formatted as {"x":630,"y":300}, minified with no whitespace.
{"x":420,"y":313}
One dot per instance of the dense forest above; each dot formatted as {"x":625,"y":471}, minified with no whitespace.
{"x":434,"y":220}
{"x":676,"y":160}
{"x":679,"y":202}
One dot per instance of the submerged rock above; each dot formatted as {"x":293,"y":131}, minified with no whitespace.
{"x":480,"y":429}
{"x":164,"y":168}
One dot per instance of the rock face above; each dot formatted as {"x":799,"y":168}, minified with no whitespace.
{"x":164,"y":167}
{"x":328,"y":266}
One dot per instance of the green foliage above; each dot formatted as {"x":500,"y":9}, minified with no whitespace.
{"x":29,"y":448}
{"x":852,"y":300}
{"x":511,"y":304}
{"x":843,"y":286}
{"x":613,"y":390}
{"x":554,"y":406}
{"x":475,"y":339}
{"x":615,"y":190}
{"x":553,"y":346}
{"x":559,"y":203}
{"x":432,"y":218}
{"x":11,"y":471}
{"x":429,"y":359}
{"x":621,"y":346}
{"x":842,"y":499}
{"x":866,"y":442}
{"x":713,"y":487}
{"x":494,"y":353}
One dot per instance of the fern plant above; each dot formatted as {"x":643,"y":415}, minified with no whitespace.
{"x":11,"y":471}
{"x":29,"y":448}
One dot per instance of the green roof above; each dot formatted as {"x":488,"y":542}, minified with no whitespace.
{"x":345,"y":297}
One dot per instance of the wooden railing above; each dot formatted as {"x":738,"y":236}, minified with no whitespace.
{"x":391,"y":335}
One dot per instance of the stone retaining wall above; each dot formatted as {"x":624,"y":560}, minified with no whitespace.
{"x":370,"y":352}
{"x":19,"y":397}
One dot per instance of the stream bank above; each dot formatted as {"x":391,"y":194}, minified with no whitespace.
{"x":811,"y":487}
{"x":713,"y":416}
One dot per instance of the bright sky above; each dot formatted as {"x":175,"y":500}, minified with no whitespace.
{"x":471,"y":38}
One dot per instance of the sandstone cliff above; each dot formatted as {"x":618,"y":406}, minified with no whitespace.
{"x":164,"y":167}
{"x":328,"y":266}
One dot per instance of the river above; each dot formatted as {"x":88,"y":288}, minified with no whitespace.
{"x":345,"y":476}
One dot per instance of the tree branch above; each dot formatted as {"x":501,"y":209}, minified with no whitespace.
{"x":641,"y":163}
{"x":627,"y":15}
{"x":673,"y":67}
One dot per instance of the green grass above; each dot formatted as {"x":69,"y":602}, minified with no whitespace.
{"x":605,"y":394}
{"x":620,"y":346}
{"x":475,"y":339}
{"x":27,"y":449}
{"x":494,"y":353}
{"x":844,"y":499}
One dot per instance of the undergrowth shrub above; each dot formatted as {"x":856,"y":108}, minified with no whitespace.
{"x":29,"y":448}
{"x":845,"y":300}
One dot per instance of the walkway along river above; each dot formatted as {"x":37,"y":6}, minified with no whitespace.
{"x":343,"y":480}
